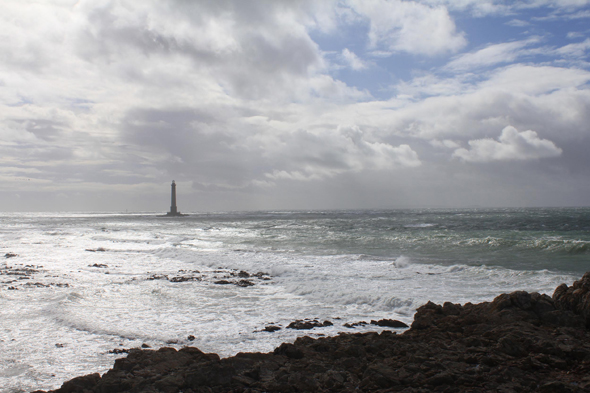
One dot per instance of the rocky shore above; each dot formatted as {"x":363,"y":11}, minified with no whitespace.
{"x":519,"y":342}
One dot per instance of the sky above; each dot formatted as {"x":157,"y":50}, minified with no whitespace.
{"x":298,"y":104}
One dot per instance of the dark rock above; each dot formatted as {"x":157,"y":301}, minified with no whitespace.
{"x":37,"y":284}
{"x":307,"y":324}
{"x":271,"y":328}
{"x":244,"y":283}
{"x":451,"y":308}
{"x":118,"y":351}
{"x":184,"y":279}
{"x":355,"y":324}
{"x":157,"y":277}
{"x":394,"y":323}
{"x":99,"y":249}
{"x":289,"y":350}
{"x":222,"y":282}
{"x":511,"y":345}
{"x":554,"y":387}
{"x":100,"y":265}
{"x":575,"y":298}
{"x":191,"y":338}
{"x":80,"y":384}
{"x":440,"y":379}
{"x":10,"y":255}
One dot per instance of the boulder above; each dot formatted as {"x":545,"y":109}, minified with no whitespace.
{"x":394,"y":323}
{"x":308,"y":324}
{"x":575,"y":298}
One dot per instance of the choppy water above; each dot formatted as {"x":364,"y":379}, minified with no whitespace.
{"x":63,"y":307}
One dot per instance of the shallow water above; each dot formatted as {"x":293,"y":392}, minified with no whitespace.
{"x":83,"y":284}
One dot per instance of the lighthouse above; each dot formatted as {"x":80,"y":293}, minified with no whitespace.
{"x":173,"y":209}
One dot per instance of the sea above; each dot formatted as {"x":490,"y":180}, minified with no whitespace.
{"x":79,"y":289}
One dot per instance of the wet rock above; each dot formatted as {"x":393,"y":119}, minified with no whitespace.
{"x":119,"y":351}
{"x":449,"y":308}
{"x":308,"y":324}
{"x":244,"y":283}
{"x":355,"y":324}
{"x":184,"y":279}
{"x":37,"y":285}
{"x":80,"y":384}
{"x":23,"y":271}
{"x":222,"y":282}
{"x":262,"y":276}
{"x":512,"y":345}
{"x":157,"y":277}
{"x":99,"y":265}
{"x":191,"y":338}
{"x":575,"y":298}
{"x":555,"y":387}
{"x":10,"y":255}
{"x":394,"y":323}
{"x":289,"y":350}
{"x":189,"y":271}
{"x":99,"y":249}
{"x":271,"y":328}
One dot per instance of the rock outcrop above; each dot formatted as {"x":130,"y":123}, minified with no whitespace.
{"x":518,"y":342}
{"x":575,"y":298}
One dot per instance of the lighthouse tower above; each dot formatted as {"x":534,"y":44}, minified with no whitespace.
{"x":173,"y":209}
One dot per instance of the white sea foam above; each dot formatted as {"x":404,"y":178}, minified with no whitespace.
{"x":402,"y":262}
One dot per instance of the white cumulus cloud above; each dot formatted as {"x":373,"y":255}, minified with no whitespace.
{"x":324,"y":153}
{"x":408,"y":26}
{"x":512,"y":145}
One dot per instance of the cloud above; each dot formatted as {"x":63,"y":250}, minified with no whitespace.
{"x":575,"y":50}
{"x":518,"y":23}
{"x":411,"y":27}
{"x":324,"y":153}
{"x":510,"y":52}
{"x":433,"y":85}
{"x":579,"y":15}
{"x":535,"y":80}
{"x":476,"y":7}
{"x":481,"y":8}
{"x":553,"y":101}
{"x":353,"y":60}
{"x":491,"y":55}
{"x":574,"y":34}
{"x":512,"y":145}
{"x":445,"y":144}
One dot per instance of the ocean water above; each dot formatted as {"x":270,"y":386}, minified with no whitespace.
{"x":74,"y":287}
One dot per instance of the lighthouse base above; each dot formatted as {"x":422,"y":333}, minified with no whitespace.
{"x":175,"y":214}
